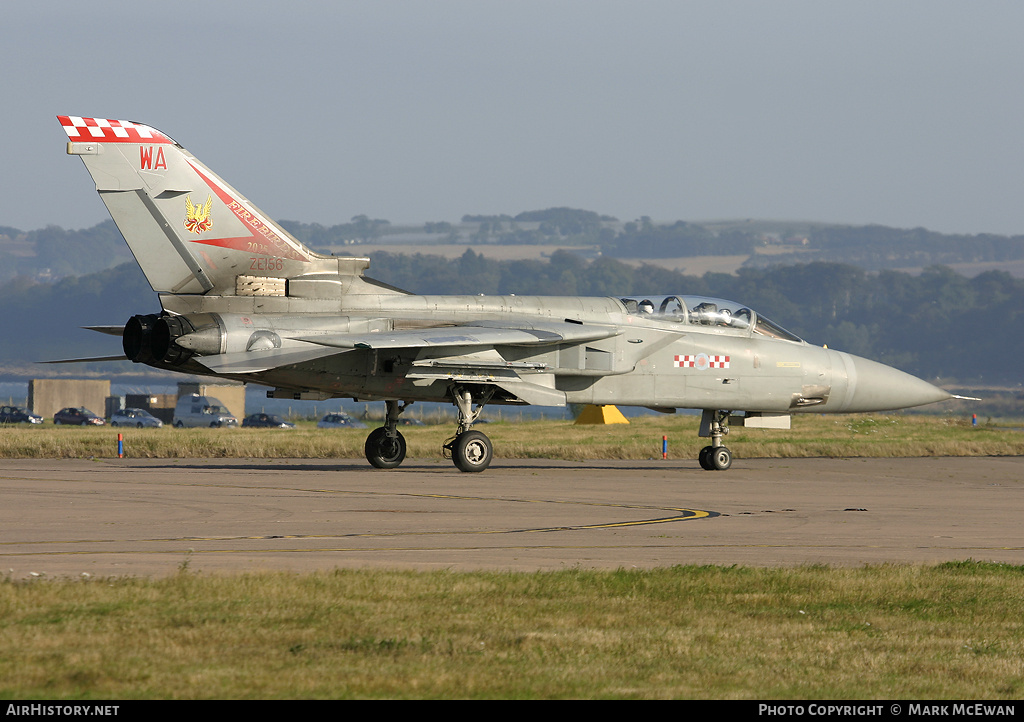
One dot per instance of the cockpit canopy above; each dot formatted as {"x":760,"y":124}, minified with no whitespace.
{"x":702,"y":311}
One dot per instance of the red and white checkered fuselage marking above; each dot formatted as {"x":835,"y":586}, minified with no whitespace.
{"x":701,"y":361}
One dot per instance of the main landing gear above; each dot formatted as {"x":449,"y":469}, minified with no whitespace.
{"x":385,"y":446}
{"x":469,"y":450}
{"x":715,"y":457}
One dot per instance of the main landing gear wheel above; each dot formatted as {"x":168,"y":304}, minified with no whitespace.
{"x":383,"y":451}
{"x":385,"y":446}
{"x":472,"y":451}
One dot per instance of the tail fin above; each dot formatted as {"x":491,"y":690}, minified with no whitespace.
{"x":190,"y":231}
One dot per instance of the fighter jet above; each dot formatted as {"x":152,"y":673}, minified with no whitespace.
{"x":242,"y":299}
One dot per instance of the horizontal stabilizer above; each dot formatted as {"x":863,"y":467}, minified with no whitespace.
{"x":120,"y":357}
{"x":250,"y":362}
{"x":109,"y":330}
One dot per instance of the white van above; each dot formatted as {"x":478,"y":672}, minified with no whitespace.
{"x":196,"y":410}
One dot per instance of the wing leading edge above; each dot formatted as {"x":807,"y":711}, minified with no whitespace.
{"x":476,"y":334}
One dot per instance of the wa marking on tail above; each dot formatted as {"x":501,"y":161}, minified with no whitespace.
{"x":146,"y":158}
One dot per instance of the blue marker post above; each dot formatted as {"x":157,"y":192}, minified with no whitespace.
{"x":664,"y":447}
{"x":120,"y":446}
{"x":974,"y":419}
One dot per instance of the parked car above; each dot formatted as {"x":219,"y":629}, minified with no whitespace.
{"x":14,"y":415}
{"x":135,"y":417}
{"x":266,"y":421}
{"x":80,"y":416}
{"x":196,"y":410}
{"x":339,"y":421}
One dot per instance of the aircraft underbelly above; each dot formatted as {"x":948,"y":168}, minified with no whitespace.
{"x":625,"y":390}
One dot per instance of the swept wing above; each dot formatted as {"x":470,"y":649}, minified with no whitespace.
{"x":476,"y":334}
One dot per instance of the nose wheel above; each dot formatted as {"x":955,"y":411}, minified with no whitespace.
{"x":715,"y":457}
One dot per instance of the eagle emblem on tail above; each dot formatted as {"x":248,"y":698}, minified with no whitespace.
{"x":197,"y":218}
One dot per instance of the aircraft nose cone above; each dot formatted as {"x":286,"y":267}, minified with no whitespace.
{"x":871,"y":386}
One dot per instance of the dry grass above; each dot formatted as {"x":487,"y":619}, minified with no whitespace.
{"x":811,"y":436}
{"x":891,"y":632}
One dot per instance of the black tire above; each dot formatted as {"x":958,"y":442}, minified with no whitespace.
{"x":138,"y":425}
{"x":705,"y":458}
{"x":472,"y":451}
{"x":214,"y":424}
{"x":179,"y":425}
{"x":113,"y":424}
{"x":384,"y":452}
{"x":721,"y":458}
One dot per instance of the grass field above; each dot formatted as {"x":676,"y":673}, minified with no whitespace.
{"x":952,"y":631}
{"x":867,"y":435}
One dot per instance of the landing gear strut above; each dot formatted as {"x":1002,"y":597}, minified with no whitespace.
{"x":469,"y":450}
{"x":715,"y":457}
{"x":385,"y":446}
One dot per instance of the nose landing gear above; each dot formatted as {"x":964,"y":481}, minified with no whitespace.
{"x":715,"y":457}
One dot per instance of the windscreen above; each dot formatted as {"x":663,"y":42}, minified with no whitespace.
{"x":702,"y":311}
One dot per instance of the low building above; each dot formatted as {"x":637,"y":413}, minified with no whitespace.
{"x":48,"y":396}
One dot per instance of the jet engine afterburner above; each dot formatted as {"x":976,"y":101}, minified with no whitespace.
{"x":153,"y":339}
{"x":171,"y":340}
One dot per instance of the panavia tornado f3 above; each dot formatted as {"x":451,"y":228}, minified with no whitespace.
{"x":242,"y":299}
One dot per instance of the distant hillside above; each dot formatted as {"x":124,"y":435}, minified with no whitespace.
{"x":762,"y":243}
{"x":52,"y":253}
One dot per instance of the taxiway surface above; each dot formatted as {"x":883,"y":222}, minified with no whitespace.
{"x":119,"y":517}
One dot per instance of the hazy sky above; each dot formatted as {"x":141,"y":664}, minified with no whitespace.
{"x":905,"y":113}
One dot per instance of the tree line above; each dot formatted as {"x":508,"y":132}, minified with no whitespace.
{"x":872,"y":247}
{"x":53,"y":252}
